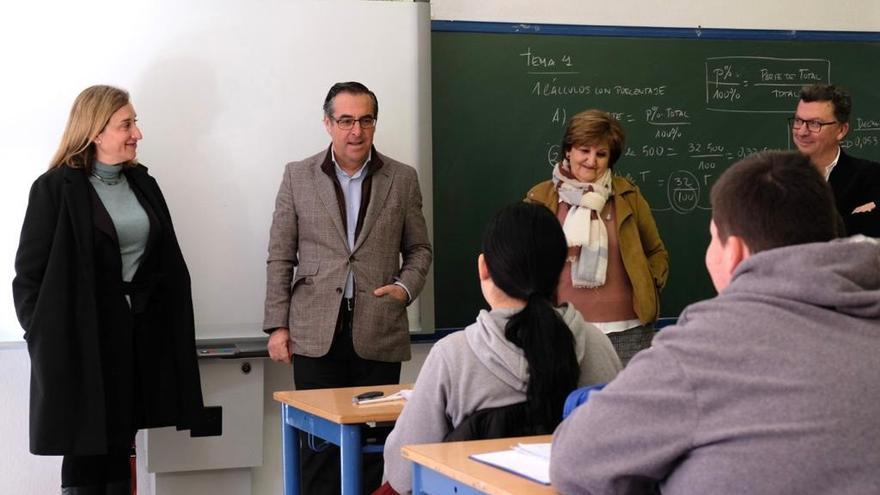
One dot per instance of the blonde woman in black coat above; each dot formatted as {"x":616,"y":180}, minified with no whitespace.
{"x":103,"y":294}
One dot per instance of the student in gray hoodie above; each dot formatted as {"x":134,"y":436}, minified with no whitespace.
{"x":769,"y":388}
{"x":524,"y":349}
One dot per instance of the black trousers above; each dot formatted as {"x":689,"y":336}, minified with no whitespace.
{"x":96,"y":470}
{"x":124,"y":401}
{"x":340,"y":367}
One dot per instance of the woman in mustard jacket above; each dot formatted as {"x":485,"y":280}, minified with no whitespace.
{"x":616,"y":263}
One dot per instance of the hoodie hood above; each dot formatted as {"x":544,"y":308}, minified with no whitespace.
{"x":503,"y":358}
{"x":843,"y":274}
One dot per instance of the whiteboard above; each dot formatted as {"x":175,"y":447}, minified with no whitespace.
{"x":227,"y":92}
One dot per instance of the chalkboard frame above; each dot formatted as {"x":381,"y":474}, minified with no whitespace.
{"x":652,"y":32}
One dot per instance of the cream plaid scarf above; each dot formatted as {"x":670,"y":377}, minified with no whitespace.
{"x":583,"y":227}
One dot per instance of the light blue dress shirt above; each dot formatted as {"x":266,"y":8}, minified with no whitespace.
{"x":352,"y":186}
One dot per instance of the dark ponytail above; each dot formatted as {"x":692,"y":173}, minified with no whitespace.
{"x":524,"y":249}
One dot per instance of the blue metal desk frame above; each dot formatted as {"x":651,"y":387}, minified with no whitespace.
{"x":328,"y":414}
{"x":346,"y":436}
{"x":427,"y":480}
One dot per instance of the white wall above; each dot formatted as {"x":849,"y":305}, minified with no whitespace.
{"x":24,"y":474}
{"x":20,"y":472}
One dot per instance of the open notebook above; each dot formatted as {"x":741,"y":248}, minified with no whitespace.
{"x":530,"y":460}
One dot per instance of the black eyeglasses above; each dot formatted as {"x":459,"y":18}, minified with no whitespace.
{"x":814,"y":126}
{"x":346,"y":123}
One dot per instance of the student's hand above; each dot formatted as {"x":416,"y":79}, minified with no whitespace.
{"x":865,"y":208}
{"x":280,"y":346}
{"x":394,"y":290}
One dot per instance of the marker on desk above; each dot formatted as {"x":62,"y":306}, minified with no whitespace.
{"x":380,"y":399}
{"x":216,"y":351}
{"x":357,"y":399}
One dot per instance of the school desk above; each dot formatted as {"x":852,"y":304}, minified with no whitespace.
{"x":445,"y":468}
{"x":330,"y":414}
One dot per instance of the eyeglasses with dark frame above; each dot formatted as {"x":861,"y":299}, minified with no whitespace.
{"x":346,"y":123}
{"x":814,"y":126}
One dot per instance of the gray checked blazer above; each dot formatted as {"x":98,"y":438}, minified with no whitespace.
{"x":309,"y":258}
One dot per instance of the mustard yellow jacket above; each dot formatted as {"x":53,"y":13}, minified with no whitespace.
{"x":644,"y":256}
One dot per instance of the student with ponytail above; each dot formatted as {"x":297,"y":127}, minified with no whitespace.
{"x":524,"y":350}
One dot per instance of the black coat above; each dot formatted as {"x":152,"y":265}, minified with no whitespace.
{"x":856,"y":182}
{"x":100,"y":369}
{"x":497,"y":422}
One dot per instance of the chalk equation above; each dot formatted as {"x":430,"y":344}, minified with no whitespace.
{"x":683,"y":191}
{"x":859,"y":142}
{"x":752,"y":84}
{"x":864,"y":133}
{"x":675,"y":149}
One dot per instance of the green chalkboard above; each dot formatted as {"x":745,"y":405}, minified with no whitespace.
{"x":691,"y":107}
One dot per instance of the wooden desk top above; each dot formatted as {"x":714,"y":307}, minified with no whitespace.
{"x":451,"y":459}
{"x":334,"y":404}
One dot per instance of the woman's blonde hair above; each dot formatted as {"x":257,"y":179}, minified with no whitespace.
{"x":89,"y":116}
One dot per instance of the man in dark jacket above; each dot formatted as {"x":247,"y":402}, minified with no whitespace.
{"x":819,"y":125}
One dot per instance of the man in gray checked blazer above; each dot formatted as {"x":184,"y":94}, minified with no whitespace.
{"x":336,"y":288}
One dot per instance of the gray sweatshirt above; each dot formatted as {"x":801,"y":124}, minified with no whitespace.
{"x":479,"y":368}
{"x":772,"y":387}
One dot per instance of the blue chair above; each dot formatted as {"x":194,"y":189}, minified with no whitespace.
{"x":664,"y":322}
{"x":578,"y":397}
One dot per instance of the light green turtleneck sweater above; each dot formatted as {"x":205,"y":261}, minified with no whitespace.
{"x":129,"y":218}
